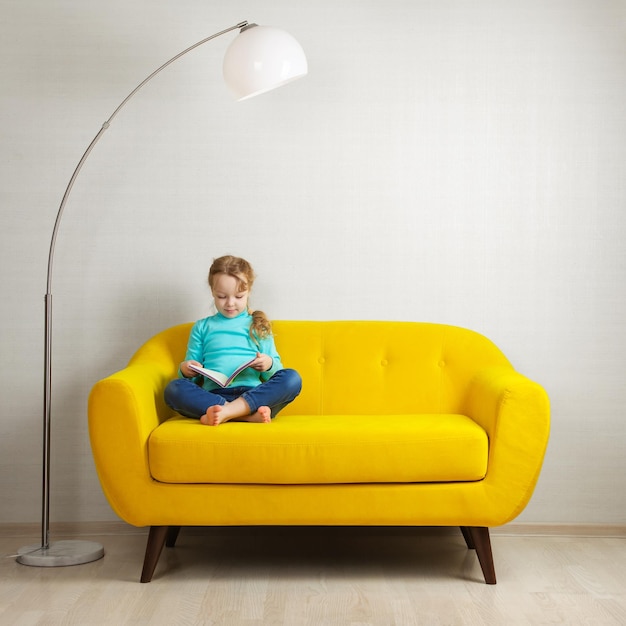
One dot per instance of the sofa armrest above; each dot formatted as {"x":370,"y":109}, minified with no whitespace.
{"x":123,"y":410}
{"x":515,"y":413}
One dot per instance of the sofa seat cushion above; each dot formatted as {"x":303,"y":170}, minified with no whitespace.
{"x":313,"y":449}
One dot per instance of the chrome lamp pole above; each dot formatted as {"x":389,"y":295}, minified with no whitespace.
{"x":259,"y":59}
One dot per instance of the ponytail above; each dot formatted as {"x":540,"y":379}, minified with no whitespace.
{"x":261,"y":327}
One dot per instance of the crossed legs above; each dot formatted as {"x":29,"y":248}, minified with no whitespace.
{"x":245,"y":404}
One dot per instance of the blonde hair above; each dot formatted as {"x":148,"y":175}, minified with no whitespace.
{"x":243,"y":273}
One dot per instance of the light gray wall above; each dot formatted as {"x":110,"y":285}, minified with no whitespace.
{"x":449,"y":161}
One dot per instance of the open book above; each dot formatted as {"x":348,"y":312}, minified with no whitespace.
{"x":217,"y":377}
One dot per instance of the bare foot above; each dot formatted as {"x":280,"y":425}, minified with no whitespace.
{"x":236,"y":411}
{"x":262,"y":416}
{"x":213,"y":416}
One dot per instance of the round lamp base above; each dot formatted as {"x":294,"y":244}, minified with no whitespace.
{"x":60,"y":554}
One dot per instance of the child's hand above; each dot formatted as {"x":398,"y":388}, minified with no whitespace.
{"x":186,"y":371}
{"x":262,"y":363}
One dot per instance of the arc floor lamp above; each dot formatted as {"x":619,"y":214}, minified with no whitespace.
{"x":259,"y":59}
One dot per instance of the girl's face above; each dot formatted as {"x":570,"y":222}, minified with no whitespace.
{"x":229,"y":299}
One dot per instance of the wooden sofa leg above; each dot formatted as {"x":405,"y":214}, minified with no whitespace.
{"x":477,"y":538}
{"x":156,"y":541}
{"x":468,"y":538}
{"x":172,"y":536}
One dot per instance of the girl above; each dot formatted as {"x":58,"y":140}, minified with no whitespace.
{"x":222,"y":342}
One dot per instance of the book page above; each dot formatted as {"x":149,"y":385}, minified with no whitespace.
{"x":218,"y":377}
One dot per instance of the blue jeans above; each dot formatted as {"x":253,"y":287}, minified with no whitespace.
{"x":190,"y":400}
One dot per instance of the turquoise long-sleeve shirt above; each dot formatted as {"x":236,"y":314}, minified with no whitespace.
{"x":223,"y":344}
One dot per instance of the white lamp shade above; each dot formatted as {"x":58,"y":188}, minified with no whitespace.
{"x":261,"y":58}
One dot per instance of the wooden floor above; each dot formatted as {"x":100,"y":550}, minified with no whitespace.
{"x":318,"y":576}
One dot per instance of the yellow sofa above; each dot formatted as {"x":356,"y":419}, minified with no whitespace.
{"x":398,"y":424}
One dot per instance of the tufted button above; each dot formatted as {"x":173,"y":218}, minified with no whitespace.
{"x":384,"y":362}
{"x":442,"y":364}
{"x":321,"y":360}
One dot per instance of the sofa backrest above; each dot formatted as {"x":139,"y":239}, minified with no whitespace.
{"x":360,"y":366}
{"x":382,"y":367}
